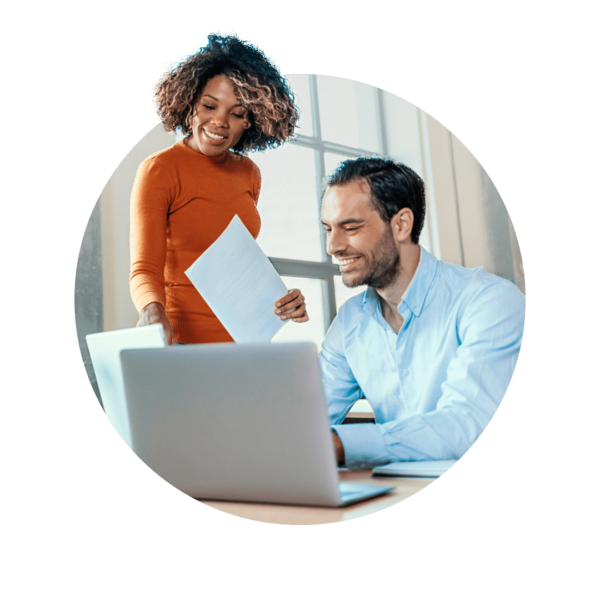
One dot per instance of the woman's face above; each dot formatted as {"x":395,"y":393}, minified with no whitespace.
{"x":218,"y":120}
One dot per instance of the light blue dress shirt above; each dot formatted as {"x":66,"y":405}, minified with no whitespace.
{"x":434,"y":385}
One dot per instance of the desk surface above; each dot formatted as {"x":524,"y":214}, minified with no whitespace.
{"x":307,"y":515}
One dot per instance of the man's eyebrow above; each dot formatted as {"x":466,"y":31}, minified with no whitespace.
{"x":348,"y":221}
{"x":217,"y":100}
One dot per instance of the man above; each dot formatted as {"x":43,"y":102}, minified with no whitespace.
{"x":431,"y":345}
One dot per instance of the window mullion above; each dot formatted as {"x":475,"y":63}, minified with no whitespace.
{"x":329,"y":309}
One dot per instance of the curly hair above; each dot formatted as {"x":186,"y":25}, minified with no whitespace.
{"x":258,"y":84}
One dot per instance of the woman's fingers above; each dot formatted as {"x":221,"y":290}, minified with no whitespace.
{"x":289,"y":297}
{"x":289,"y":302}
{"x":292,"y":307}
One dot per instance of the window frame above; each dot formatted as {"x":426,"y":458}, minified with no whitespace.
{"x":326,"y":269}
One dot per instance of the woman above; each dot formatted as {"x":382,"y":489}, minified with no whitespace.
{"x":229,"y":100}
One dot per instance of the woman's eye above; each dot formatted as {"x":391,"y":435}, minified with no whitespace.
{"x":238,"y":116}
{"x":208,"y":107}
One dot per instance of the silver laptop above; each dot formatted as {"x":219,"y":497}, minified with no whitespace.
{"x":243,"y":422}
{"x":104,"y":351}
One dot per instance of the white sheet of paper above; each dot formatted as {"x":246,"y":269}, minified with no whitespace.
{"x":425,"y":468}
{"x":240,"y":285}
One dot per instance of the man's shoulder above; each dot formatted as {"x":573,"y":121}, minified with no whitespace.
{"x":353,"y":305}
{"x":474,"y":286}
{"x":474,"y":279}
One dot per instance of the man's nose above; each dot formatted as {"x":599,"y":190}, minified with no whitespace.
{"x":334,"y":243}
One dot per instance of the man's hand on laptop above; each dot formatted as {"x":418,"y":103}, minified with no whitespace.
{"x":155,"y":313}
{"x":340,"y":455}
{"x":291,"y":306}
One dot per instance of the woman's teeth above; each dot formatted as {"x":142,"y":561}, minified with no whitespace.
{"x":213,"y":136}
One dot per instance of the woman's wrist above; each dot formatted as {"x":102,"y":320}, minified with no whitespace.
{"x":153,"y":313}
{"x":155,"y":308}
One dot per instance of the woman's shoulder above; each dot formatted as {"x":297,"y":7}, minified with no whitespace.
{"x":244,"y":164}
{"x":160,"y":164}
{"x":242,"y":161}
{"x":248,"y":169}
{"x":164,"y":156}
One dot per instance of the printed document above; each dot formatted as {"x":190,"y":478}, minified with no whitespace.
{"x":239,"y":284}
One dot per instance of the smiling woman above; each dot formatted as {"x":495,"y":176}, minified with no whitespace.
{"x":228,"y":100}
{"x":219,"y":119}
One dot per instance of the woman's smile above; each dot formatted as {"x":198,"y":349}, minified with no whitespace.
{"x":214,"y":136}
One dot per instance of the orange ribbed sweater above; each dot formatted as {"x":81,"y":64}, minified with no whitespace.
{"x":180,"y":203}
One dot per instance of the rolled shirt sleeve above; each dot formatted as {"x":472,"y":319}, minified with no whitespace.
{"x":489,"y":331}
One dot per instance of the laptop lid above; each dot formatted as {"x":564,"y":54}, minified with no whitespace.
{"x":104,"y":351}
{"x":244,"y":422}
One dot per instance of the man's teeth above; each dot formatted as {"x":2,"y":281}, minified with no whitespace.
{"x":213,"y":136}
{"x":347,"y":261}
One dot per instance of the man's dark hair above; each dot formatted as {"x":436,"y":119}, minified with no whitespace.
{"x":393,"y":186}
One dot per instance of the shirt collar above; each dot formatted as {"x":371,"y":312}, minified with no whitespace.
{"x":416,"y":293}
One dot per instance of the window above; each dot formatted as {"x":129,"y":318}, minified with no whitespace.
{"x":339,"y":119}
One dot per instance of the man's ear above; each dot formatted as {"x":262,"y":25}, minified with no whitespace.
{"x":402,"y":224}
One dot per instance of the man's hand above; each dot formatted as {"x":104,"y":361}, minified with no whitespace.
{"x":340,"y":455}
{"x":291,"y":306}
{"x":155,"y":313}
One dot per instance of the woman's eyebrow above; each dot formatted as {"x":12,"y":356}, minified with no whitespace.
{"x":217,"y":100}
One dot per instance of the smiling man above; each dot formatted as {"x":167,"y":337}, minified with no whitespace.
{"x":432,"y":346}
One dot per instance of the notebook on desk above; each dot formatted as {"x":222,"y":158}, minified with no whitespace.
{"x":242,"y":422}
{"x":425,"y":468}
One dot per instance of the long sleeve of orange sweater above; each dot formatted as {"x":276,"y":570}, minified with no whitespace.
{"x":180,"y":203}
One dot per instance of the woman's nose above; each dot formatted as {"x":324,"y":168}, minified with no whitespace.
{"x":219,"y":119}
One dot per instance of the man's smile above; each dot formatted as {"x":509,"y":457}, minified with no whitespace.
{"x":347,"y":262}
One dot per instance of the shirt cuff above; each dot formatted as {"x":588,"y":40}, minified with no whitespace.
{"x":363,"y":445}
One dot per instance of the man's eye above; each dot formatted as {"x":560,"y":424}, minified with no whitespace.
{"x":238,"y":116}
{"x":350,"y":229}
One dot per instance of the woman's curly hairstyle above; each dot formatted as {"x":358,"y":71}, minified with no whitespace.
{"x":257,"y":83}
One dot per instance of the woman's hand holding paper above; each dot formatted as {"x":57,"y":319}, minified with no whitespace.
{"x":292,"y":307}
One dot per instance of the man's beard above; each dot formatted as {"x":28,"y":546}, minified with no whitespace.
{"x":384,"y":269}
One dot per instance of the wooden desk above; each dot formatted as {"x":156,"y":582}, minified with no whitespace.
{"x":359,"y":417}
{"x":307,"y":515}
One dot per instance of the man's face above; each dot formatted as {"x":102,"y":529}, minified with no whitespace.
{"x":358,"y":237}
